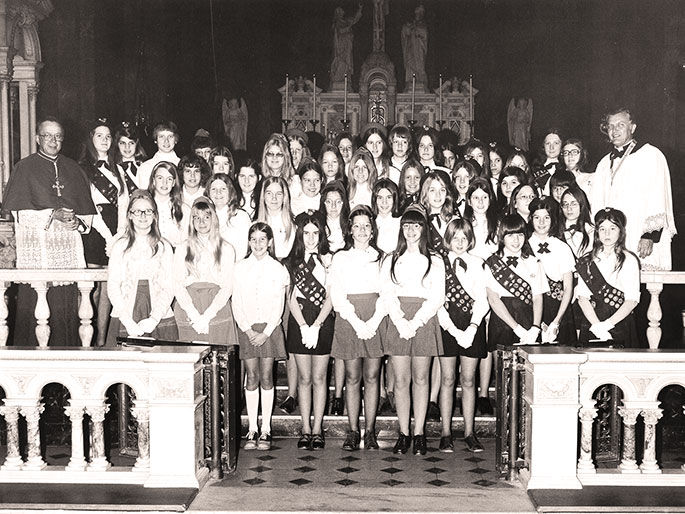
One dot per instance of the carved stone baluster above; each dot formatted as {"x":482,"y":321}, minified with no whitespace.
{"x":4,"y":330}
{"x":32,"y":414}
{"x":142,"y":414}
{"x":13,"y":461}
{"x":77,"y":461}
{"x":649,"y":463}
{"x":85,"y":313}
{"x":42,"y":313}
{"x":628,"y":462}
{"x":654,"y":314}
{"x":98,"y":460}
{"x":587,"y":416}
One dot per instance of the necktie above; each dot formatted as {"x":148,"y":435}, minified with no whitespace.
{"x":617,"y":154}
{"x":550,"y":165}
{"x":512,"y":261}
{"x":460,"y":262}
{"x":131,"y":167}
{"x":311,"y":263}
{"x":436,"y":217}
{"x":543,"y":248}
{"x":101,"y":163}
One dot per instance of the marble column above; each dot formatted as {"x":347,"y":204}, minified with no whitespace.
{"x":649,"y":463}
{"x":32,"y":414}
{"x":5,"y":163}
{"x":4,"y":329}
{"x":33,"y":95}
{"x":85,"y":313}
{"x":98,"y":460}
{"x":142,"y":414}
{"x":13,"y":462}
{"x":628,"y":462}
{"x":585,"y":463}
{"x":78,"y":460}
{"x":42,"y":313}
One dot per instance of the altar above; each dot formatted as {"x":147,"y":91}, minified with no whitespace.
{"x":348,"y":107}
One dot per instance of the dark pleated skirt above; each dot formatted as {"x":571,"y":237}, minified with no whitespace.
{"x":427,"y":342}
{"x":346,"y":344}
{"x":222,"y":329}
{"x":273,"y":347}
{"x":499,"y":332}
{"x":293,"y":342}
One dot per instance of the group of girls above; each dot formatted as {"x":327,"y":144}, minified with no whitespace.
{"x":382,"y":256}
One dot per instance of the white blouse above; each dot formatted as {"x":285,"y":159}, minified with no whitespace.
{"x":354,"y":271}
{"x":558,"y":261}
{"x":235,"y":230}
{"x":627,"y":279}
{"x":171,"y":231}
{"x":528,"y":268}
{"x":282,"y":243}
{"x":388,"y":233}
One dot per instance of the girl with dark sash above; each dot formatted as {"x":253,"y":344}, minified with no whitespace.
{"x":128,"y":153}
{"x":410,"y":182}
{"x":462,"y":175}
{"x":110,"y":196}
{"x":355,"y":292}
{"x":437,"y":198}
{"x":413,"y":292}
{"x":310,"y":325}
{"x":558,"y":264}
{"x":515,"y":285}
{"x":609,"y":283}
{"x":463,"y":330}
{"x":259,"y":290}
{"x":139,"y":279}
{"x":203,"y":280}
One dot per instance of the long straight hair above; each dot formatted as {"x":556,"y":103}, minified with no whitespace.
{"x":195,"y":247}
{"x":619,"y":219}
{"x":362,"y":210}
{"x":287,"y":171}
{"x":491,"y":216}
{"x":297,"y":252}
{"x":584,"y":218}
{"x":154,"y":236}
{"x":286,"y":212}
{"x":175,"y":194}
{"x":364,"y":155}
{"x":89,"y":155}
{"x":447,"y":209}
{"x":412,"y":215}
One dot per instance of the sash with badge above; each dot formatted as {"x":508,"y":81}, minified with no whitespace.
{"x":106,"y":187}
{"x":314,"y":292}
{"x":510,"y":280}
{"x":458,"y":303}
{"x":606,"y":299}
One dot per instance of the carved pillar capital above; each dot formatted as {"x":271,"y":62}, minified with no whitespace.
{"x":97,"y":412}
{"x":629,"y":415}
{"x":587,"y":414}
{"x":652,"y":416}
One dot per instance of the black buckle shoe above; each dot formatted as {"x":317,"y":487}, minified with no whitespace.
{"x":446,"y":444}
{"x":420,"y":446}
{"x":305,"y":442}
{"x":402,"y":444}
{"x":473,"y":444}
{"x":370,"y":442}
{"x":352,"y":441}
{"x":318,"y":442}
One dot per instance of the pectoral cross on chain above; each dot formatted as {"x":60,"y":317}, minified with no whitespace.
{"x":58,"y":186}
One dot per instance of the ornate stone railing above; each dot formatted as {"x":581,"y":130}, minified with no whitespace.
{"x":168,"y":407}
{"x":558,"y":392}
{"x":40,"y":281}
{"x":654,"y":281}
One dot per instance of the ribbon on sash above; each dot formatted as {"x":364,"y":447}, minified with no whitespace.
{"x":106,"y":187}
{"x":510,"y":280}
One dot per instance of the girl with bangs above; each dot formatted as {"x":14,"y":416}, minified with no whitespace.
{"x":277,"y":161}
{"x":413,"y":292}
{"x":221,"y":161}
{"x":608,"y":288}
{"x":463,"y":330}
{"x":558,"y":264}
{"x":332,"y":164}
{"x":139,"y":279}
{"x":355,"y":293}
{"x":476,"y":150}
{"x":311,"y":178}
{"x":310,"y":324}
{"x":510,"y":178}
{"x":274,"y":210}
{"x":411,"y":175}
{"x":260,"y":285}
{"x":519,"y":159}
{"x":166,"y":191}
{"x":234,"y":223}
{"x":361,"y":178}
{"x":384,"y":203}
{"x":520,"y":200}
{"x":462,"y":175}
{"x":437,"y":198}
{"x":193,"y":175}
{"x":248,"y":186}
{"x":203,"y":280}
{"x":515,"y":284}
{"x":128,"y":153}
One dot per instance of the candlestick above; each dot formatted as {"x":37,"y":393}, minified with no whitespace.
{"x":413,"y":93}
{"x":345,"y":105}
{"x":286,"y":96}
{"x":440,"y":89}
{"x":471,"y":96}
{"x":314,"y":109}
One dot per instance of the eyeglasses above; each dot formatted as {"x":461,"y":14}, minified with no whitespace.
{"x":58,"y":138}
{"x":139,"y":213}
{"x":574,"y":152}
{"x":569,"y":205}
{"x":272,"y":155}
{"x":204,"y":219}
{"x":333,"y":203}
{"x":525,"y":197}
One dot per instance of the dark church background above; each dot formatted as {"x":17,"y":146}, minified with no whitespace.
{"x":575,"y":59}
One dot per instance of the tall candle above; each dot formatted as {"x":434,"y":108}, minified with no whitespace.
{"x":471,"y":98}
{"x":286,"y":96}
{"x":413,"y":93}
{"x":440,"y":88}
{"x":314,"y":113}
{"x":345,"y":106}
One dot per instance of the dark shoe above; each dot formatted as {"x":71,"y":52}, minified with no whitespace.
{"x":402,"y":445}
{"x":446,"y":445}
{"x":251,"y":441}
{"x":473,"y":444}
{"x":420,"y":446}
{"x":433,"y":413}
{"x":264,"y":441}
{"x":318,"y":442}
{"x":485,"y":406}
{"x":305,"y":442}
{"x":370,"y":442}
{"x":352,"y":441}
{"x":391,"y":401}
{"x":337,"y":407}
{"x":288,"y":405}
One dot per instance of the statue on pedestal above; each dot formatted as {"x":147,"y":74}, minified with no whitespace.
{"x":381,"y":8}
{"x":519,"y":120}
{"x":235,"y":117}
{"x":343,"y":38}
{"x":414,"y":48}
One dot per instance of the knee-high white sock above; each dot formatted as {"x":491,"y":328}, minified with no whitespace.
{"x":252,"y":401}
{"x":267,"y":408}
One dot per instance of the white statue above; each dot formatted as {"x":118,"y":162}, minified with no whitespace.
{"x":519,"y":120}
{"x":235,"y":117}
{"x":343,"y":38}
{"x":415,"y":46}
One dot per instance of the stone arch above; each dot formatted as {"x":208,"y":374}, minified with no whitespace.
{"x":9,"y":386}
{"x":35,"y":387}
{"x":140,"y":388}
{"x":658,"y":384}
{"x":588,"y":388}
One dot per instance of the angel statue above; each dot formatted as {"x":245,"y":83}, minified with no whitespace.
{"x":234,"y":113}
{"x":519,"y":120}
